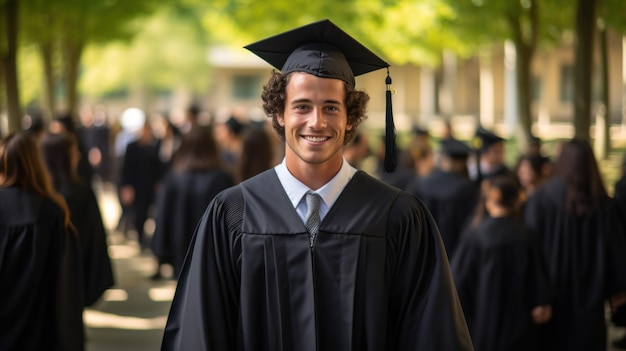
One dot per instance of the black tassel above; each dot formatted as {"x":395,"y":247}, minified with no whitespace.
{"x":391,"y":152}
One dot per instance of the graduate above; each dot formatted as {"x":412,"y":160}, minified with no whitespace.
{"x":41,"y":286}
{"x":194,"y":180}
{"x":582,"y":236}
{"x":488,"y":160}
{"x":314,"y":254}
{"x":501,"y":275}
{"x":448,"y":193}
{"x":61,"y":156}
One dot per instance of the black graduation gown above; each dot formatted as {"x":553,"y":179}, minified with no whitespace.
{"x":501,"y":275}
{"x":618,"y":317}
{"x":377,"y":277}
{"x":451,"y":199}
{"x":142,"y":169}
{"x":86,"y":217}
{"x":181,"y":201}
{"x":40,"y":276}
{"x":586,"y":258}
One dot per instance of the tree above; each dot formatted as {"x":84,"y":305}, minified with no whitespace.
{"x":8,"y":60}
{"x":527,"y":23}
{"x":611,"y":14}
{"x":585,"y":29}
{"x":168,"y":53}
{"x":64,"y":29}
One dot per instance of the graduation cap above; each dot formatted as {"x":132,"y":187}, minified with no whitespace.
{"x":454,"y":148}
{"x":234,"y":125}
{"x":325,"y":50}
{"x":485,"y":138}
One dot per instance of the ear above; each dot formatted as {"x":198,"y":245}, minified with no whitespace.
{"x":348,"y":126}
{"x":280,"y":118}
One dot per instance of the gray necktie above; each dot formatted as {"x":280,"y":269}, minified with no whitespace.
{"x":312,"y":220}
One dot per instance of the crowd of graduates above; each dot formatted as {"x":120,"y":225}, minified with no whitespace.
{"x":537,"y":250}
{"x":54,"y":259}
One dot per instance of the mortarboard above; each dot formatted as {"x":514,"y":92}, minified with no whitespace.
{"x":454,"y":148}
{"x":485,"y":138}
{"x":419,"y":131}
{"x":234,"y":125}
{"x":325,"y":50}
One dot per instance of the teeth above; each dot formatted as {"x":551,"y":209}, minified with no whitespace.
{"x":315,"y":139}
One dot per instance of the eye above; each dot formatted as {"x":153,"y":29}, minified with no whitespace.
{"x":332,"y":108}
{"x":301,"y":107}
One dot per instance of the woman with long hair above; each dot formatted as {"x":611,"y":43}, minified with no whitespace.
{"x":195,"y":178}
{"x":40,"y":270}
{"x":61,"y":156}
{"x":583,"y":240}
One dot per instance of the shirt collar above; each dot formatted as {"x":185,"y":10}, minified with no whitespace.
{"x":295,"y":189}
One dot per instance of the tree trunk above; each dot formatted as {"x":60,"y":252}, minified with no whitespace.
{"x":603,"y":142}
{"x":48,"y":70}
{"x":525,"y":43}
{"x":72,"y":54}
{"x":9,"y":11}
{"x":585,"y":25}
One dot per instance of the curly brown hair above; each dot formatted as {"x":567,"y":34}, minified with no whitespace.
{"x":275,"y":91}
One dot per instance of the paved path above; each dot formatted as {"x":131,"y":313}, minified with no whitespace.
{"x":131,"y":315}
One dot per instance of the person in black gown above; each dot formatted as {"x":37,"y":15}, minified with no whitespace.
{"x":195,"y":178}
{"x":371,"y":275}
{"x":501,"y":275}
{"x":488,"y":160}
{"x":618,"y":316}
{"x":61,"y":156}
{"x":140,"y":174}
{"x":40,"y":263}
{"x":583,"y":239}
{"x":448,"y":193}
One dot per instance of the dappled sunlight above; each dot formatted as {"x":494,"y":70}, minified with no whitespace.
{"x":115,"y":295}
{"x":164,"y":293}
{"x":99,"y":319}
{"x":123,"y":251}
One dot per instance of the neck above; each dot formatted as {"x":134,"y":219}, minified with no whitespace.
{"x":499,"y":212}
{"x":314,"y":176}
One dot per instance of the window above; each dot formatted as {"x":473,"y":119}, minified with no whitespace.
{"x":535,"y":88}
{"x":567,"y":83}
{"x":246,"y":87}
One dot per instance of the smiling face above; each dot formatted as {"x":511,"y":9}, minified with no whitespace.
{"x":315,"y":121}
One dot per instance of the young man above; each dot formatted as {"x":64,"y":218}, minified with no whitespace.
{"x":370,"y":271}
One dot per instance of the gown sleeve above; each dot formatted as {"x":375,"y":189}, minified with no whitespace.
{"x":209,"y":270}
{"x":425,"y":311}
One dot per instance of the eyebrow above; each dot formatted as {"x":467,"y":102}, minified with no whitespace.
{"x":328,"y":101}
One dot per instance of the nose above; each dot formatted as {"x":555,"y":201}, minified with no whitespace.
{"x":317,"y":119}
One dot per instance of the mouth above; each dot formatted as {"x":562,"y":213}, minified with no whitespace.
{"x":315,"y":139}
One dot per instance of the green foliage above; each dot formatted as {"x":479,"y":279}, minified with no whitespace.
{"x":493,"y":21}
{"x":30,"y":74}
{"x":167,"y":53}
{"x":401,"y":31}
{"x":613,"y":13}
